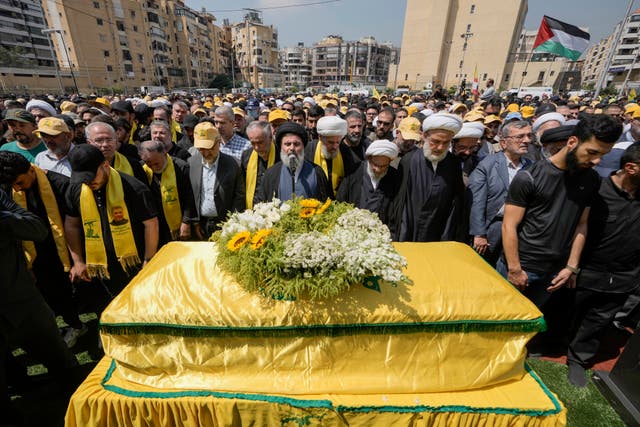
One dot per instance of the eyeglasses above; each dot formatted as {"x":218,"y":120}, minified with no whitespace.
{"x":520,"y":137}
{"x":101,"y":141}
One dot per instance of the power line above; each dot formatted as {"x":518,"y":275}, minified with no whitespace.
{"x":274,"y":7}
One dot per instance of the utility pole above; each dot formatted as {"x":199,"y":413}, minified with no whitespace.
{"x":466,"y":36}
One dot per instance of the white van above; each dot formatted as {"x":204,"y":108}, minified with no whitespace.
{"x":534,"y":91}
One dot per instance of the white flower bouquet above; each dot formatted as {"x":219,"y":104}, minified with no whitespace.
{"x":304,"y":247}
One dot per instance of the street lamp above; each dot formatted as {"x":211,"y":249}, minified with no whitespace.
{"x":55,"y":64}
{"x":64,"y":45}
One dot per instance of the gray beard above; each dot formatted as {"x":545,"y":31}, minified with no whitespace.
{"x":430,"y":156}
{"x":284,"y":158}
{"x":354,"y":140}
{"x":325,"y":153}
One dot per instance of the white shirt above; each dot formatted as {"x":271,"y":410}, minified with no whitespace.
{"x":207,"y":202}
{"x":512,"y":170}
{"x":48,"y":161}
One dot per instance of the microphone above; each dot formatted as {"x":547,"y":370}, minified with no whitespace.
{"x":293,"y":162}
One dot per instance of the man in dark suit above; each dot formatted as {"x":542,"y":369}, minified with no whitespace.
{"x":216,"y":180}
{"x":488,"y":186}
{"x":374,"y":185}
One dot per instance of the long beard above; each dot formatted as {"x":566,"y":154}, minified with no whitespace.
{"x":572,"y":163}
{"x":284,"y":158}
{"x":430,"y":156}
{"x":326,"y":154}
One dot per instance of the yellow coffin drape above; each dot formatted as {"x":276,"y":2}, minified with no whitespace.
{"x":106,"y":399}
{"x":459,"y":326}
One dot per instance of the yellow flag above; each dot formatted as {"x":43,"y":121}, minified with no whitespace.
{"x":376,"y":93}
{"x":632,"y":95}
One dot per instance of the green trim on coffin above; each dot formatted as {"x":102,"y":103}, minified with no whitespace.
{"x":332,"y":330}
{"x":327,"y":404}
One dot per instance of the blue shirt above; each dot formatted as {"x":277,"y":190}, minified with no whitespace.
{"x":48,"y":161}
{"x":207,"y":202}
{"x":235,"y":147}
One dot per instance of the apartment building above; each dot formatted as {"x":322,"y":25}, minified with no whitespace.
{"x":444,"y":41}
{"x":337,"y":62}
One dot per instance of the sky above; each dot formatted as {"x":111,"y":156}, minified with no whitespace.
{"x":309,"y":21}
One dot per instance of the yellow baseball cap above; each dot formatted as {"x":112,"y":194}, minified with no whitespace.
{"x":279,"y":115}
{"x":492,"y":118}
{"x":205,"y":135}
{"x":409,"y":127}
{"x":239,"y":111}
{"x":51,"y":126}
{"x":473,"y":116}
{"x":513,"y":108}
{"x":527,"y":111}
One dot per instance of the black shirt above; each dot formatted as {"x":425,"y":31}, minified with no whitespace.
{"x":611,"y":256}
{"x":139,"y":203}
{"x":185,"y":194}
{"x":554,"y":201}
{"x":47,"y":253}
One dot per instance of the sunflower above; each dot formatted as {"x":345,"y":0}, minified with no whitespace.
{"x":307,"y":212}
{"x":324,"y":207}
{"x":238,"y":241}
{"x":259,"y":238}
{"x":309,"y":203}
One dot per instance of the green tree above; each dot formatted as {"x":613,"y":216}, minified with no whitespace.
{"x":15,"y":57}
{"x":221,"y":81}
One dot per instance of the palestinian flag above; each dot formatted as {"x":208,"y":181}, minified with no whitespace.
{"x":561,"y":39}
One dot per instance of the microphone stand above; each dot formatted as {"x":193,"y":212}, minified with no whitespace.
{"x":293,"y":165}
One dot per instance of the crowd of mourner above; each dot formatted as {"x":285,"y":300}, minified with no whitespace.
{"x":545,"y":190}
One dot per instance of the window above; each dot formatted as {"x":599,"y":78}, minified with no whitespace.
{"x":506,"y":77}
{"x":484,"y":76}
{"x":468,"y":28}
{"x":103,"y":38}
{"x":109,"y":68}
{"x":135,"y":28}
{"x":128,"y":67}
{"x":541,"y":76}
{"x":106,"y":53}
{"x":99,"y":21}
{"x":120,"y":25}
{"x":551,"y":73}
{"x":473,"y":9}
{"x":96,"y":5}
{"x":133,"y":13}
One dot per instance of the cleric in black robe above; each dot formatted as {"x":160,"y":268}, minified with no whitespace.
{"x":336,"y":159}
{"x":432,"y":184}
{"x":374,"y":185}
{"x":278,"y":180}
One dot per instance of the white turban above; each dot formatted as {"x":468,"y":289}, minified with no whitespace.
{"x":426,"y":112}
{"x":547,"y":118}
{"x":470,"y":130}
{"x":310,"y":100}
{"x":332,"y":126}
{"x":442,"y":121}
{"x":382,"y":147}
{"x":43,"y":105}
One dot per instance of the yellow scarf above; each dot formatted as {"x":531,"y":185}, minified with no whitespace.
{"x":121,"y":164}
{"x":252,"y":172}
{"x":121,"y":232}
{"x":170,"y":199}
{"x":55,"y":220}
{"x":337,"y":171}
{"x":134,"y":127}
{"x":175,"y":130}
